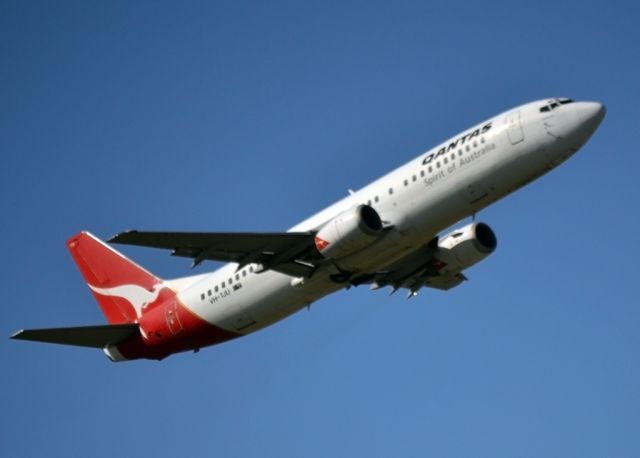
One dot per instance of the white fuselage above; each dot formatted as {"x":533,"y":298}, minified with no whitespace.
{"x":419,"y":199}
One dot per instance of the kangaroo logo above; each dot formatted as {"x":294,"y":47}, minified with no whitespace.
{"x":137,"y":296}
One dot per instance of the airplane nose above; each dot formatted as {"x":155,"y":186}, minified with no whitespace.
{"x":590,"y":115}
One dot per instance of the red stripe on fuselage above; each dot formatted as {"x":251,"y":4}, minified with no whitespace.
{"x":170,"y":327}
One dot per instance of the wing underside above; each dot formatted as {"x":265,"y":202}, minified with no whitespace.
{"x":422,"y":269}
{"x":291,"y":253}
{"x":294,"y":253}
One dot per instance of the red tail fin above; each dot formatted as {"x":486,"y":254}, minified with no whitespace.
{"x":121,"y":287}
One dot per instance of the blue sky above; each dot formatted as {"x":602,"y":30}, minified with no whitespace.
{"x":222,"y":116}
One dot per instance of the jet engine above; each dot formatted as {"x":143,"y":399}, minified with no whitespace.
{"x":349,"y":232}
{"x":464,"y":247}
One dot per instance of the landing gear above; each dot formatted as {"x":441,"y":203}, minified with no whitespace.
{"x":341,"y":277}
{"x":361,"y":279}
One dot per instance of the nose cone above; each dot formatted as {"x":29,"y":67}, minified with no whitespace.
{"x":586,"y":118}
{"x":590,"y":115}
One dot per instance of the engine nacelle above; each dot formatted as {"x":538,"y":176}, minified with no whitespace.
{"x":349,"y":232}
{"x":464,"y":247}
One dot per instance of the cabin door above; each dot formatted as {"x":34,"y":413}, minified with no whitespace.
{"x":514,"y":128}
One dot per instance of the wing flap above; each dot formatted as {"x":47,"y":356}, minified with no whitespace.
{"x":83,"y":336}
{"x":421,"y":269}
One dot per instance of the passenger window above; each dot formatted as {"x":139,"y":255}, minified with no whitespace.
{"x":460,"y":152}
{"x":209,"y":293}
{"x":446,"y":160}
{"x":369,"y":202}
{"x":430,"y":169}
{"x":422,"y":173}
{"x":467,"y":148}
{"x":376,"y":199}
{"x":390,"y":191}
{"x":475,"y":144}
{"x":414,"y":178}
{"x":223,"y":284}
{"x":250,"y":268}
{"x":481,"y":139}
{"x":216,"y":289}
{"x":202,"y":296}
{"x":230,"y":281}
{"x":237,"y":276}
{"x":453,"y":156}
{"x":438,"y":164}
{"x":244,"y":273}
{"x":406,"y":182}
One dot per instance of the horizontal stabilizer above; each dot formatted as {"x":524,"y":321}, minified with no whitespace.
{"x":83,"y":336}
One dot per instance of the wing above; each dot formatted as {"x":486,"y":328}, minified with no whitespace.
{"x":291,"y":253}
{"x":423,"y":268}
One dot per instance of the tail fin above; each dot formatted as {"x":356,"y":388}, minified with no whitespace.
{"x":120,"y":286}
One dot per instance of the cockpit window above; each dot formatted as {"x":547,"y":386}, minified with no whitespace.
{"x":555,"y":103}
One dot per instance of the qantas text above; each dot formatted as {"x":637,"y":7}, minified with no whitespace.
{"x":457,"y":142}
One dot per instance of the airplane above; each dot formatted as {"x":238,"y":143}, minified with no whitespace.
{"x":386,"y":234}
